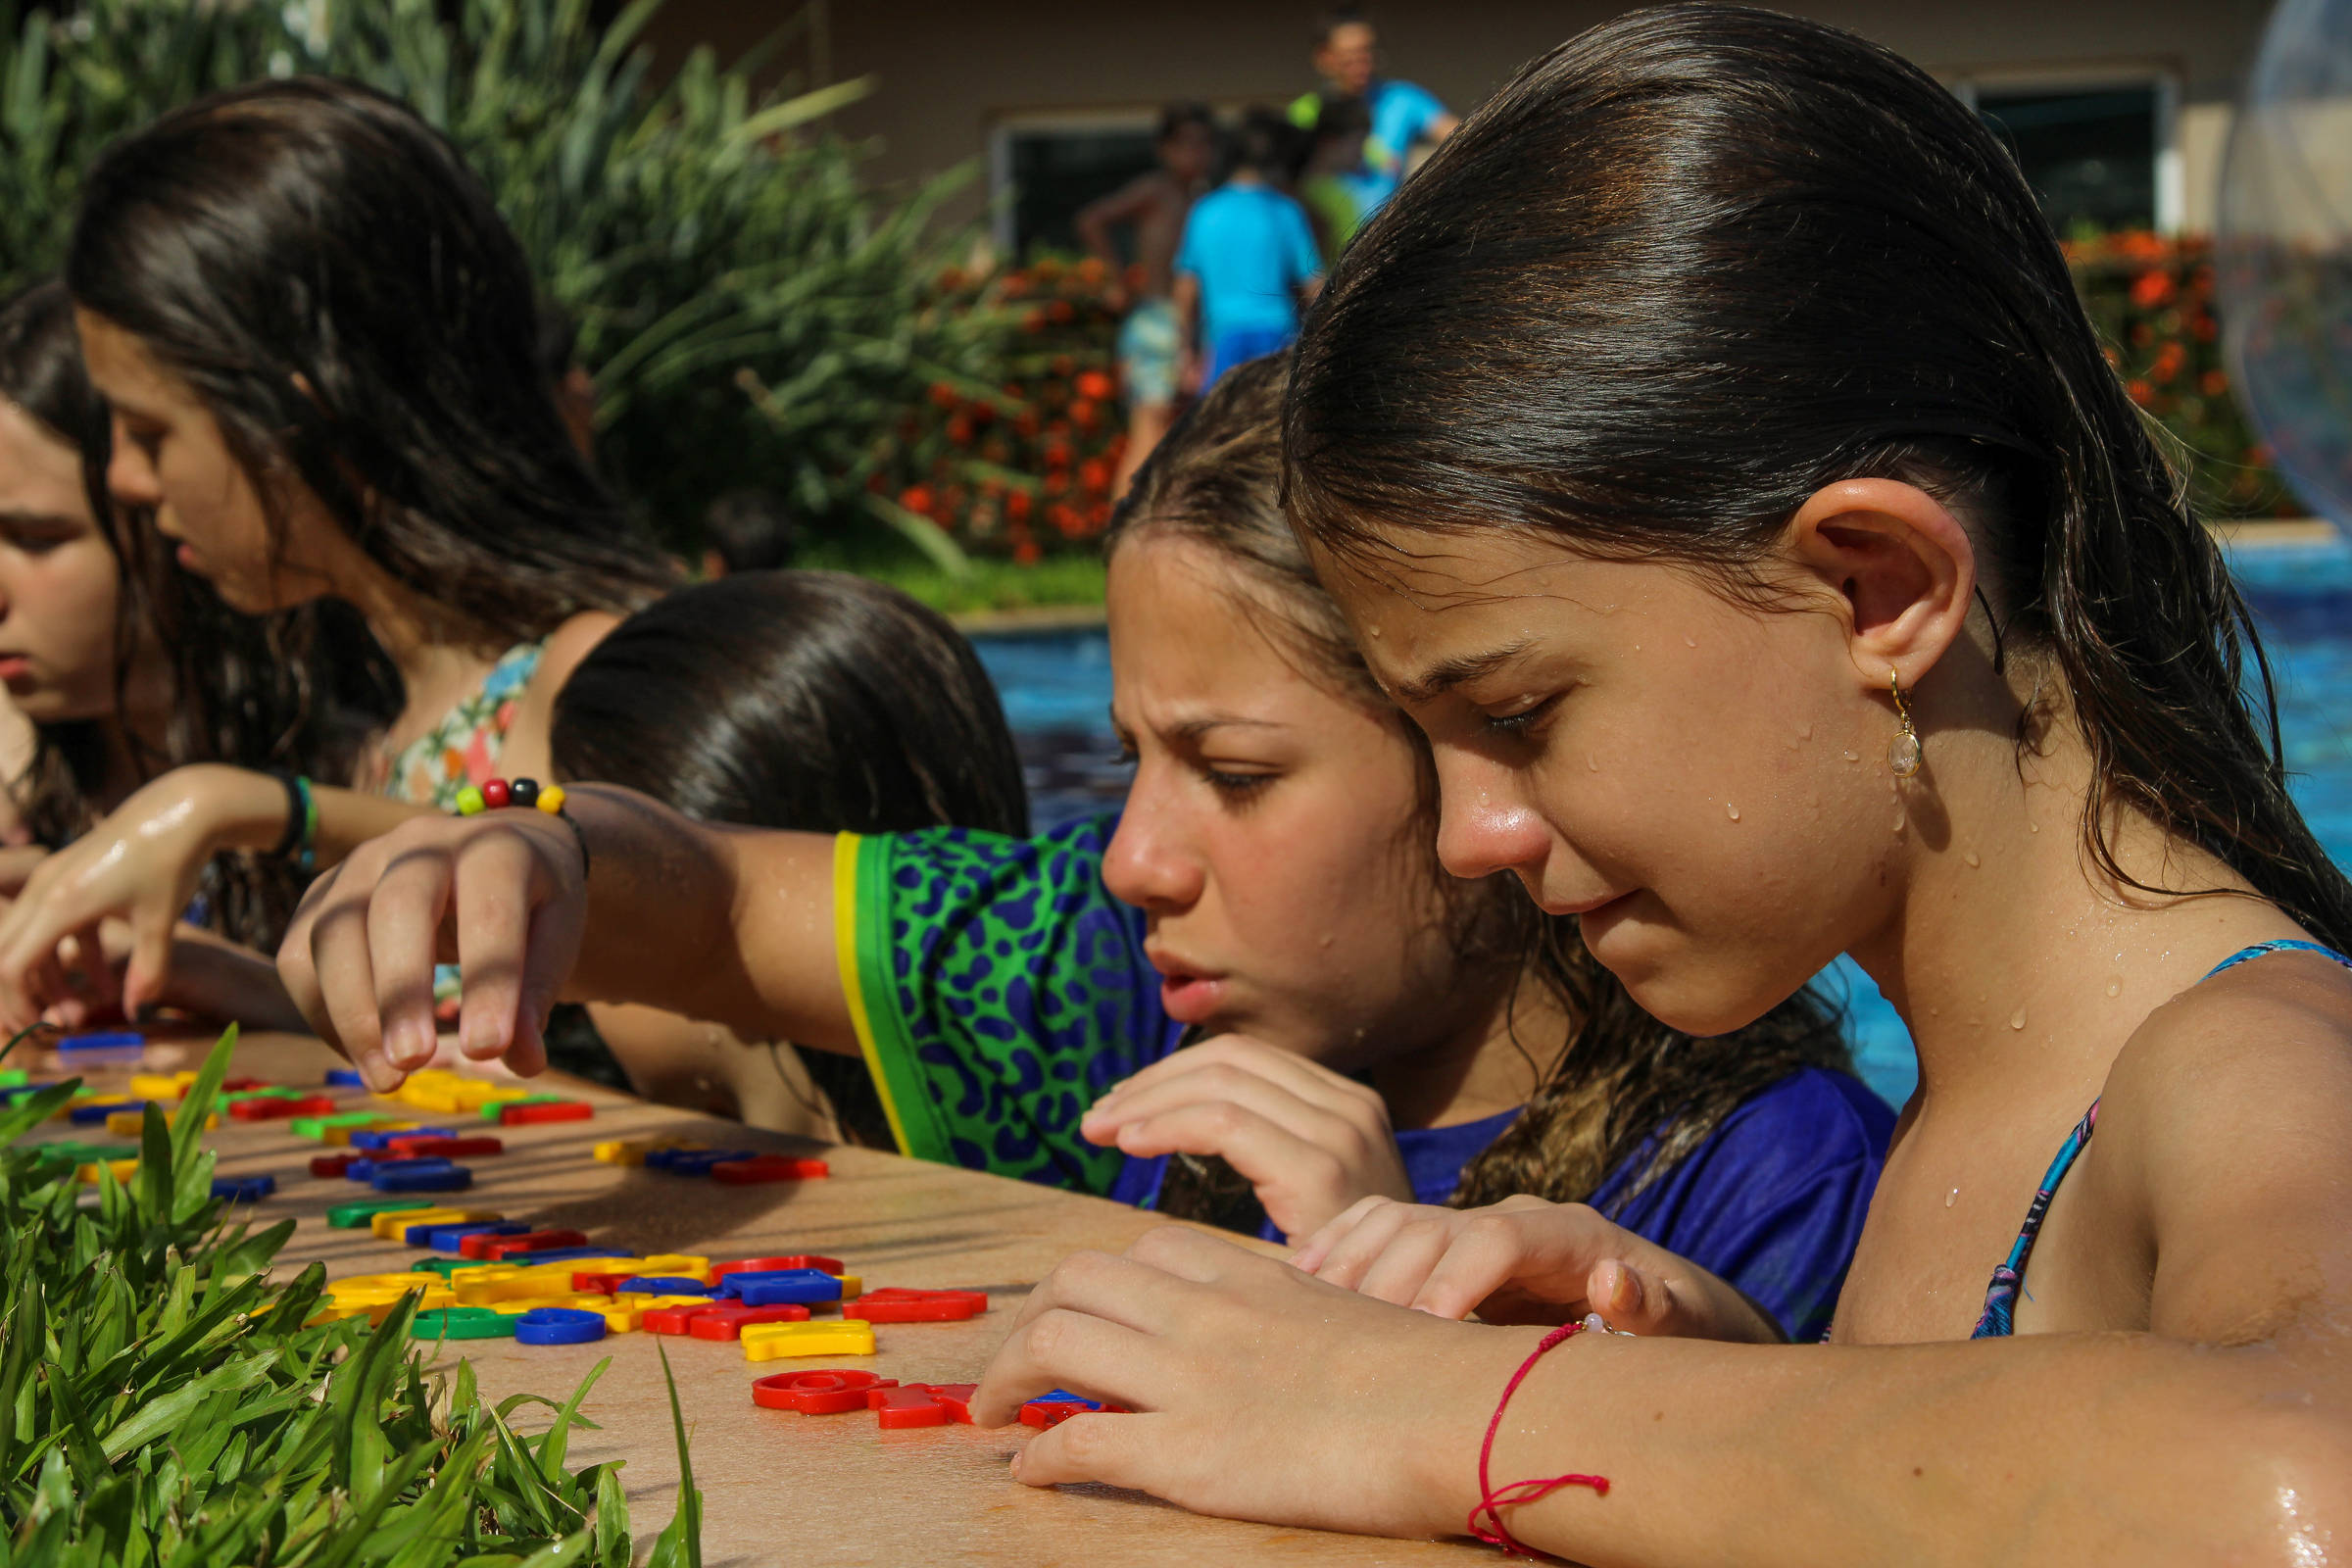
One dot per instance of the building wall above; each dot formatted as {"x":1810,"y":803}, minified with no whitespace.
{"x":948,"y":73}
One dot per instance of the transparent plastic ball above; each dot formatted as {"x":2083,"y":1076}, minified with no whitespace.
{"x":2284,"y":251}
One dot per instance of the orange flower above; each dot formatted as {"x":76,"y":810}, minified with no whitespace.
{"x":1096,"y":386}
{"x":2151,"y":289}
{"x":2169,"y":361}
{"x":1026,"y":553}
{"x":960,"y":429}
{"x":1092,"y":270}
{"x":943,"y":396}
{"x":1017,"y":504}
{"x":1062,"y":313}
{"x":1084,"y":413}
{"x":2212,"y":383}
{"x":2140,"y":392}
{"x":917,"y":498}
{"x":1095,"y":474}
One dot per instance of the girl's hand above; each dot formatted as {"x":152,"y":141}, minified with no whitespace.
{"x":1524,"y":1261}
{"x":140,"y":865}
{"x":1260,"y":1392}
{"x":501,"y":894}
{"x":1309,"y":1141}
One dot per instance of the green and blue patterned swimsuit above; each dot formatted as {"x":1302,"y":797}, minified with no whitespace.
{"x":998,"y":990}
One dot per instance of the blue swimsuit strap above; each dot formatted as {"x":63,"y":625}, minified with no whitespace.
{"x":2000,"y":1297}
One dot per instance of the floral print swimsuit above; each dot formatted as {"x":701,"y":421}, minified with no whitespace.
{"x":464,"y":747}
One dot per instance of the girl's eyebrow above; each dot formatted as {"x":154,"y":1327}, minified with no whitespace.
{"x":1448,"y":673}
{"x":1192,"y":729}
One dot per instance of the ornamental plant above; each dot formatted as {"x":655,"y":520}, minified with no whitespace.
{"x":752,"y":312}
{"x":164,"y":1402}
{"x":2151,"y":299}
{"x":1023,"y":467}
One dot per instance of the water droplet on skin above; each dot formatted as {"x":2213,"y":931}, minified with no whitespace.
{"x":1374,"y":630}
{"x":2017,"y":1019}
{"x":1733,"y":810}
{"x":2115,"y":985}
{"x":1971,"y":859}
{"x":1951,"y":1198}
{"x":1805,"y":733}
{"x":2033,"y":827}
{"x":1690,"y":641}
{"x":1853,"y":757}
{"x":1592,"y":764}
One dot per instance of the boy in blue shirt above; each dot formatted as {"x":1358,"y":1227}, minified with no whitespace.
{"x":1403,"y":115}
{"x":1247,"y":262}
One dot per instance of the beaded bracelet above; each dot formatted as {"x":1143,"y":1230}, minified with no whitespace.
{"x":495,"y":793}
{"x":1486,"y":1520}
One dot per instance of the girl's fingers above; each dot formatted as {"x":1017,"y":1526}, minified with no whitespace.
{"x":100,"y":992}
{"x":1404,"y":1267}
{"x":150,"y":966}
{"x":1065,"y":1349}
{"x":1352,"y":1256}
{"x":1311,"y":1253}
{"x":1308,"y":1080}
{"x":507,"y":897}
{"x":1628,"y":1299}
{"x":403,"y":925}
{"x":1222,"y":1085}
{"x":1127,"y":1291}
{"x":1117,"y":1450}
{"x":344,"y":1006}
{"x":1548,"y":1254}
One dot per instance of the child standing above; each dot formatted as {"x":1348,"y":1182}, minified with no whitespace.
{"x":1153,"y":208}
{"x":1248,"y":261}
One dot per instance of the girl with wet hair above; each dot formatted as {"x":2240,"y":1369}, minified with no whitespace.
{"x":318,"y":341}
{"x":1251,"y":997}
{"x":1776,"y":568}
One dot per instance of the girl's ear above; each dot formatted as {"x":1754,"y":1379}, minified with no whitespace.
{"x":1900,"y":563}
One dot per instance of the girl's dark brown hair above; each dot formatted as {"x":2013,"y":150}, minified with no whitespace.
{"x":1699,"y":262}
{"x":812,"y":701}
{"x":1623,"y":1078}
{"x":299,"y":690}
{"x":340,"y":290}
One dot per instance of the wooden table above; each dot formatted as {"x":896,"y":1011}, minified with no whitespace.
{"x":778,"y":1487}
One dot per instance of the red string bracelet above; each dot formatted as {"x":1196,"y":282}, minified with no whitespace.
{"x":1491,"y":1503}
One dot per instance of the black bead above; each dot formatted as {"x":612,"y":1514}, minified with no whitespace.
{"x":523,"y":792}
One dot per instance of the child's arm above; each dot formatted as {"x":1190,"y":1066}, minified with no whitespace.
{"x":2222,"y":1431}
{"x":1274,"y":1397}
{"x":141,"y":864}
{"x":729,"y":925}
{"x":1098,"y":218}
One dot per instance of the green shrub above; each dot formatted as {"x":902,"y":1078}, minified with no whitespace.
{"x":754,"y":314}
{"x":163,"y":1401}
{"x":2151,"y":299}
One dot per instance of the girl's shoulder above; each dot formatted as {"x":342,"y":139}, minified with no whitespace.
{"x":561,"y":650}
{"x":2269,"y":1042}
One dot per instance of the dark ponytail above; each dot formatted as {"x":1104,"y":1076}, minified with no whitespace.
{"x":1623,"y":1078}
{"x":1699,"y":262}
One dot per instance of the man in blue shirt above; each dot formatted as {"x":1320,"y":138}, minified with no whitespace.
{"x":1403,"y":115}
{"x":1247,"y":262}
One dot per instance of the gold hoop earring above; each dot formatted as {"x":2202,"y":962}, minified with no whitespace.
{"x":1902,"y":753}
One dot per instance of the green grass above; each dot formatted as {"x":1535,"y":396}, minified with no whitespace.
{"x":164,"y":1402}
{"x":991,"y":584}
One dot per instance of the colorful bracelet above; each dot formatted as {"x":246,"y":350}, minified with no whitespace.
{"x":495,"y":794}
{"x":299,"y":841}
{"x":1486,"y":1520}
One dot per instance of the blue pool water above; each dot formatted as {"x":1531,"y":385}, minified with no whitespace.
{"x":1056,"y":689}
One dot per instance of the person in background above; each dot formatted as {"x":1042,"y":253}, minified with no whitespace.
{"x":748,"y":530}
{"x":1333,"y":186}
{"x":1401,"y":116}
{"x":1248,"y":262}
{"x":812,"y":701}
{"x":1151,"y":207}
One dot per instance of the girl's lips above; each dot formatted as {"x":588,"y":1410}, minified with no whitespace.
{"x":15,"y":667}
{"x":1191,"y":998}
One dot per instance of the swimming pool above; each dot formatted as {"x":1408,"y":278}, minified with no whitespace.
{"x":1056,"y":690}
